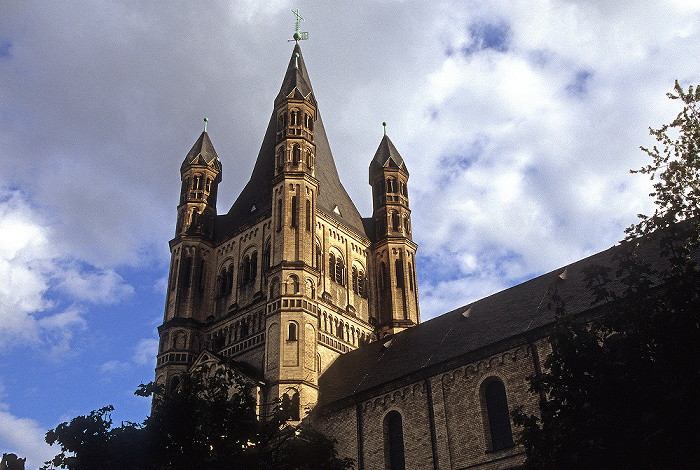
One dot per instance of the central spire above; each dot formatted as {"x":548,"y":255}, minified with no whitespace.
{"x":296,"y":85}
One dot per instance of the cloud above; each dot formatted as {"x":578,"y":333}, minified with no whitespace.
{"x":44,"y":288}
{"x":25,"y":438}
{"x":145,"y":352}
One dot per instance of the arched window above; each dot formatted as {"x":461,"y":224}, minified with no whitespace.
{"x":331,"y":266}
{"x":229,"y":280}
{"x":208,"y":186}
{"x":293,"y":285}
{"x":339,"y":330}
{"x":310,"y":289}
{"x":405,"y":225}
{"x":280,"y":157}
{"x":319,"y":259}
{"x":309,"y":159}
{"x":289,"y":408}
{"x":244,"y":328}
{"x":293,"y":118}
{"x":361,"y":283}
{"x":391,"y":185}
{"x":499,"y":419}
{"x":292,"y":331}
{"x":393,"y":441}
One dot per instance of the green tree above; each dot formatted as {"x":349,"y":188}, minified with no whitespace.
{"x":208,"y":422}
{"x":620,"y":390}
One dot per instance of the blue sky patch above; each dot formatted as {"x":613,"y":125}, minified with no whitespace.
{"x":484,"y":35}
{"x":579,"y":86}
{"x":5,"y":47}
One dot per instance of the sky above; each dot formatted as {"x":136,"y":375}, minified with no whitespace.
{"x":519,"y":122}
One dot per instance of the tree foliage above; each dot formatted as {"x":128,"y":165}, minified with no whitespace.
{"x":209,"y":422}
{"x":621,"y":389}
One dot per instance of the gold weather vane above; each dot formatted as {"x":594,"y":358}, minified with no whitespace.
{"x":298,"y":36}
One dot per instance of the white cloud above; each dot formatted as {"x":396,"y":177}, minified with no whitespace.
{"x":145,"y":352}
{"x":25,"y":438}
{"x":40,"y":300}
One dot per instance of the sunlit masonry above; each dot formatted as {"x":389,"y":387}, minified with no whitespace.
{"x":318,"y":306}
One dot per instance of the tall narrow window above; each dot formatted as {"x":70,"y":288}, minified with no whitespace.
{"x":296,"y":155}
{"x":266,"y":258}
{"x":393,"y":441}
{"x":399,"y":272}
{"x":308,"y":215}
{"x":253,"y":266}
{"x":292,"y":332}
{"x":339,"y":269}
{"x":294,"y":211}
{"x":186,"y":272}
{"x":410,"y":276}
{"x":361,"y":283}
{"x":173,"y":279}
{"x":319,"y":260}
{"x":280,"y":158}
{"x":279,"y":215}
{"x":382,"y":276}
{"x":331,"y":266}
{"x":229,"y":280}
{"x":499,"y":420}
{"x":354,"y":279}
{"x":395,"y":221}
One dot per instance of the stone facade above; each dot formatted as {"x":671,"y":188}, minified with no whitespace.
{"x":290,"y":278}
{"x":319,"y":306}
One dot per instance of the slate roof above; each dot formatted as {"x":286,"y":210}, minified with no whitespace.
{"x":438,"y":344}
{"x":386,"y":155}
{"x":257,"y":192}
{"x":204,"y":148}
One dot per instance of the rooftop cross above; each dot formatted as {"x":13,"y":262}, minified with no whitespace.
{"x":298,"y":35}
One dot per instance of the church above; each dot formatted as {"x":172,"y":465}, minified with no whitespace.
{"x":319,"y":307}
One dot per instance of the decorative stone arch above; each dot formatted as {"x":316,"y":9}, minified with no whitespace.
{"x":180,"y":340}
{"x":163,"y":342}
{"x":290,"y":406}
{"x":310,"y":288}
{"x":292,"y":285}
{"x":495,"y":413}
{"x":394,"y":447}
{"x":292,"y":331}
{"x":336,"y":265}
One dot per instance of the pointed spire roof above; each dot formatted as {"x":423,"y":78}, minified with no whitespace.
{"x":204,"y":149}
{"x":296,"y":78}
{"x":256,"y":197}
{"x":386,"y":156}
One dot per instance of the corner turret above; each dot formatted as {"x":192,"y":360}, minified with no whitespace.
{"x":394,"y":249}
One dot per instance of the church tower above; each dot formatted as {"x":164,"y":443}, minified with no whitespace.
{"x":394,"y":250}
{"x":190,"y":286}
{"x":291,"y":277}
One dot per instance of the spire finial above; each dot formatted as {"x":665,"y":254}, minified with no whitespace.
{"x":206,"y":120}
{"x":384,"y":124}
{"x":298,"y":36}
